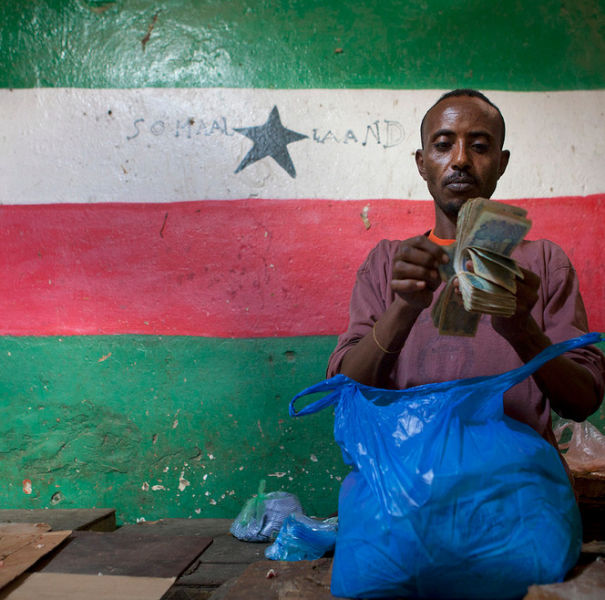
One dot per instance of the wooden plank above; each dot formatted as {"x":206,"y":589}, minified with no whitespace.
{"x":75,"y":519}
{"x":177,"y":592}
{"x":212,"y":575}
{"x":589,"y":485}
{"x":221,"y":593}
{"x":95,"y":553}
{"x":23,"y":528}
{"x":19,"y":551}
{"x":594,"y":547}
{"x":61,"y":586}
{"x":217,"y":567}
{"x":203,"y":527}
{"x":588,"y":585}
{"x":227,"y":558}
{"x":280,"y":580}
{"x":225,"y":548}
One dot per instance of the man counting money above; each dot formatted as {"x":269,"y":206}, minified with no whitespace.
{"x":391,"y":341}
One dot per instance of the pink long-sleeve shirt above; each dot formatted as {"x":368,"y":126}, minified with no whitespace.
{"x":428,"y":357}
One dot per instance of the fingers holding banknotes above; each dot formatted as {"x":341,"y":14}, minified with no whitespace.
{"x":526,"y":288}
{"x":415,"y":274}
{"x":526,"y":296}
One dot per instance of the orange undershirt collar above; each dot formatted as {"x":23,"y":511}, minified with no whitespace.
{"x":439,"y":241}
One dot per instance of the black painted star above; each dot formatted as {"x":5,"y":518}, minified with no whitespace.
{"x":270,"y":139}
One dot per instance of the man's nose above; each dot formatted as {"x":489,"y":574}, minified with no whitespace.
{"x":461,"y":158}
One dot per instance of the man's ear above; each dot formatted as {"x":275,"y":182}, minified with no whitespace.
{"x":504,"y":158}
{"x":420,"y":163}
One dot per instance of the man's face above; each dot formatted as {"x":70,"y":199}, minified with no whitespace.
{"x":461,"y":156}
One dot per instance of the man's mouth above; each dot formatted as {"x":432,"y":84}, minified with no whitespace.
{"x":460,"y":183}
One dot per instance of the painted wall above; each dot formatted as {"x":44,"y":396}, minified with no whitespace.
{"x":186,"y":191}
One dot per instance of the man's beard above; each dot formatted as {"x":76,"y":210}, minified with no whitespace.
{"x":452,"y":207}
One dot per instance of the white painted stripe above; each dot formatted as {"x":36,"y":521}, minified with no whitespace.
{"x":165,"y":145}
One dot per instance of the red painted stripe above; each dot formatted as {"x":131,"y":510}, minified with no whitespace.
{"x":245,"y":268}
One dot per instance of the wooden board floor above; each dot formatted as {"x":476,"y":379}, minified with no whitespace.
{"x":228,"y":567}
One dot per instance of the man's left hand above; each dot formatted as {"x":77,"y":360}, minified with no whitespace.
{"x":527,"y":295}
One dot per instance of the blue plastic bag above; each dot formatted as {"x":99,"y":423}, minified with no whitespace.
{"x":303,"y":538}
{"x":448,"y":497}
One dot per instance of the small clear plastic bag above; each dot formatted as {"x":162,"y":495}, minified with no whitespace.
{"x":585,"y":451}
{"x":263,"y":515}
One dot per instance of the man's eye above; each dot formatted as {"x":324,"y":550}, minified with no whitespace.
{"x":441,"y":145}
{"x":481,"y":148}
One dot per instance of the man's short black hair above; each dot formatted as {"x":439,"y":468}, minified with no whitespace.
{"x":463,"y":92}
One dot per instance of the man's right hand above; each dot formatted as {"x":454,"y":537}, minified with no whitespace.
{"x":415,"y":273}
{"x":414,"y":278}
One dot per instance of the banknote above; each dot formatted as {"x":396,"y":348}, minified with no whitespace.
{"x":456,"y":320}
{"x":483,"y":296}
{"x":491,"y":229}
{"x":504,"y":261}
{"x":486,"y":234}
{"x":491,"y":270}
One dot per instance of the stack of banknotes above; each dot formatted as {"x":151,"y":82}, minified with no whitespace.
{"x":486,"y":234}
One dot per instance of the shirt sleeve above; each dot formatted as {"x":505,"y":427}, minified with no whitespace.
{"x":564,"y":314}
{"x":370,"y":298}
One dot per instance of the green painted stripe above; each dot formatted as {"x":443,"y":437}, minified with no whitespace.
{"x":99,"y":421}
{"x":550,"y":45}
